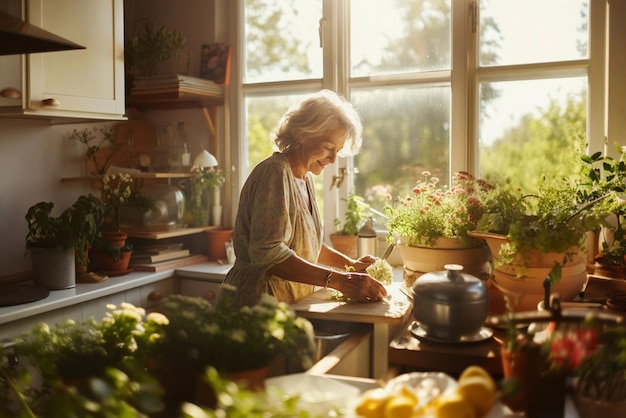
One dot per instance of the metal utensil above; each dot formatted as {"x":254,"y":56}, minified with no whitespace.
{"x":388,"y":251}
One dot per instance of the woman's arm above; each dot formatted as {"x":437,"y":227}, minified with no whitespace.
{"x":331,"y":257}
{"x":354,"y":285}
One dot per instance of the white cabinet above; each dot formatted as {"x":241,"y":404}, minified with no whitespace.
{"x":83,"y":84}
{"x":207,"y":290}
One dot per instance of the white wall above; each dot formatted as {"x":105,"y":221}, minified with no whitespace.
{"x":34,"y":156}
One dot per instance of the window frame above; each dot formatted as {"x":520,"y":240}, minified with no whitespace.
{"x":464,"y":74}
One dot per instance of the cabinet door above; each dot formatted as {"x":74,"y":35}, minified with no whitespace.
{"x":209,"y":291}
{"x":87,"y":82}
{"x":11,"y":65}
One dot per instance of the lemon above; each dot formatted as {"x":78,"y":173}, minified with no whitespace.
{"x":474,"y":371}
{"x":478,"y":391}
{"x":454,"y":406}
{"x":372,"y":403}
{"x":400,"y":406}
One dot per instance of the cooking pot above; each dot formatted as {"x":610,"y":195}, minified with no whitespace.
{"x":450,"y":304}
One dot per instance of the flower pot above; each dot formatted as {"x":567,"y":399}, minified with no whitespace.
{"x":53,"y":269}
{"x":345,"y":244}
{"x":541,"y":392}
{"x":105,"y":262}
{"x":217,"y":239}
{"x":521,"y":282}
{"x":420,"y":260}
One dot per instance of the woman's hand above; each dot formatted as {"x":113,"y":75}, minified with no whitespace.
{"x":363,"y":263}
{"x":359,"y":286}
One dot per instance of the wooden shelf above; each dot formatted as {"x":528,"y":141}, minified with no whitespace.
{"x":174,"y":100}
{"x":146,"y":176}
{"x":179,"y":232}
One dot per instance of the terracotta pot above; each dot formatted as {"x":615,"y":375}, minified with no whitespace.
{"x":105,"y":262}
{"x":345,"y":244}
{"x":217,"y":239}
{"x":540,"y":394}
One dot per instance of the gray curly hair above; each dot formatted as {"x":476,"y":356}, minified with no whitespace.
{"x":319,"y":116}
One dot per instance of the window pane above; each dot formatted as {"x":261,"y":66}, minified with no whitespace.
{"x":263,"y":114}
{"x":531,"y":127}
{"x":407,"y":36}
{"x":406,"y":131}
{"x":531,"y":31}
{"x":282,"y":43}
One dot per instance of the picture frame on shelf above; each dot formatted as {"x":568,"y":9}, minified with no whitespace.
{"x":215,"y":62}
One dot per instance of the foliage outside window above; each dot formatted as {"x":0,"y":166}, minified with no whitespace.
{"x":530,"y":97}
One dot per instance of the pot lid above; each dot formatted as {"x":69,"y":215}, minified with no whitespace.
{"x":450,"y":286}
{"x":20,"y":37}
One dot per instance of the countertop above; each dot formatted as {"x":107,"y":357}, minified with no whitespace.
{"x":84,"y":292}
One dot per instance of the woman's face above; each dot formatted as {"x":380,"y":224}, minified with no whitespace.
{"x":314,"y":155}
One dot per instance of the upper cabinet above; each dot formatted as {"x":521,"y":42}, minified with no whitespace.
{"x":78,"y":84}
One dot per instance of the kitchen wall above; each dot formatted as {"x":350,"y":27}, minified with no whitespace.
{"x":35,"y":155}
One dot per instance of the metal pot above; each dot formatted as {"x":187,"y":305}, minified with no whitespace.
{"x":450,"y":304}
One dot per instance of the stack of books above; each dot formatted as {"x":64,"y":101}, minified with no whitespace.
{"x":174,"y":83}
{"x":160,"y":257}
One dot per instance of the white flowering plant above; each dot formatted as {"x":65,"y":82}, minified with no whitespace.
{"x":89,"y":368}
{"x":202,"y":334}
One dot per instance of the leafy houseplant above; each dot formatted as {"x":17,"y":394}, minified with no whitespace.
{"x":200,"y":334}
{"x":142,"y":53}
{"x":78,"y":226}
{"x":554,"y":220}
{"x":345,"y":237}
{"x":602,"y":175}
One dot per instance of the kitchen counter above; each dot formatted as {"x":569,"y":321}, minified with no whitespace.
{"x":385,"y":317}
{"x":59,"y":300}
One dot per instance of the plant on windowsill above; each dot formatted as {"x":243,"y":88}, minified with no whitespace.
{"x":432,"y":213}
{"x":601,"y":175}
{"x":345,"y":238}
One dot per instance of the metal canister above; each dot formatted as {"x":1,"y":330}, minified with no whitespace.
{"x":367,"y":238}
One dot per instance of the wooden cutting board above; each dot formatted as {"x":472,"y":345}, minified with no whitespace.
{"x":319,"y":305}
{"x":138,"y":135}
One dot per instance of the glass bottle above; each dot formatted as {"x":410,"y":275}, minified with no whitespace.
{"x":176,"y":149}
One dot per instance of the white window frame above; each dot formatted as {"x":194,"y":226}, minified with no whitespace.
{"x":463,"y":76}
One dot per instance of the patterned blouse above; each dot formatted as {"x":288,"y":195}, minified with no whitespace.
{"x":274,"y":221}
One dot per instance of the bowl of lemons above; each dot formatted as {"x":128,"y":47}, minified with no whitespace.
{"x":433,"y":395}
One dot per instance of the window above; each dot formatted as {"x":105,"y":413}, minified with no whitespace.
{"x":442,"y":85}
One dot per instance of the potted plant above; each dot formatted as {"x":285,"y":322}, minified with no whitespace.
{"x":64,"y":238}
{"x":600,"y":385}
{"x":534,"y":235}
{"x":345,"y":238}
{"x":111,"y":252}
{"x":199,"y":335}
{"x":602,"y":175}
{"x":89,"y":368}
{"x":143,"y":52}
{"x":432,"y":224}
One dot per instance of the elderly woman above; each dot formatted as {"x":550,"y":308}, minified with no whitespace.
{"x":278,"y":237}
